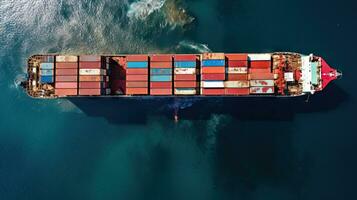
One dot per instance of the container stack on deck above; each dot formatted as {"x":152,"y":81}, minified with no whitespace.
{"x":213,"y":74}
{"x":46,"y":70}
{"x":66,"y":79}
{"x":261,"y":76}
{"x":161,"y":75}
{"x":92,"y":76}
{"x":237,"y":82}
{"x":185,"y":80}
{"x":137,"y":79}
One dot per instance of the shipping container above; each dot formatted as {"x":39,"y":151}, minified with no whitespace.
{"x":89,"y":58}
{"x":67,"y":65}
{"x":90,"y":92}
{"x":237,"y":63}
{"x":66,"y":58}
{"x":92,"y":72}
{"x":46,"y":72}
{"x":237,"y":77}
{"x":160,"y":78}
{"x":213,"y":70}
{"x":260,"y":64}
{"x":212,"y":91}
{"x":66,"y":92}
{"x":92,"y":85}
{"x":262,"y":90}
{"x":47,"y":59}
{"x":160,"y":71}
{"x":185,"y":77}
{"x":262,"y":56}
{"x":136,"y":84}
{"x":46,"y":79}
{"x":161,"y":91}
{"x":137,"y":64}
{"x":212,"y":84}
{"x":185,"y":84}
{"x":213,"y":63}
{"x":185,"y":70}
{"x":66,"y":85}
{"x":161,"y":58}
{"x":137,"y":91}
{"x":261,"y":83}
{"x":137,"y":77}
{"x":167,"y":65}
{"x":91,"y":78}
{"x":236,"y":56}
{"x":137,"y":71}
{"x":137,"y":58}
{"x":237,"y":70}
{"x":208,"y":77}
{"x":213,"y":56}
{"x":90,"y":65}
{"x":66,"y":78}
{"x":185,"y":57}
{"x":65,"y":72}
{"x":46,"y":66}
{"x":161,"y":84}
{"x":258,"y":71}
{"x":186,"y":64}
{"x":262,"y":76}
{"x":236,"y":91}
{"x":185,"y":91}
{"x":236,"y":84}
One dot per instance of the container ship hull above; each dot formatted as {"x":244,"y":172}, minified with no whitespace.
{"x":279,"y":74}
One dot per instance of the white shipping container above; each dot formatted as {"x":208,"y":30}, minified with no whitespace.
{"x":92,"y":72}
{"x":66,"y":58}
{"x":212,"y":84}
{"x":261,"y":56}
{"x":236,"y":84}
{"x":237,"y":70}
{"x":262,"y":90}
{"x":185,"y":71}
{"x":261,"y":83}
{"x":185,"y":91}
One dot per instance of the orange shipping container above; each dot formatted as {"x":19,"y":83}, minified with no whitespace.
{"x":161,"y":85}
{"x":64,"y":85}
{"x":213,"y":70}
{"x":260,"y":64}
{"x":133,"y":91}
{"x":207,"y":77}
{"x":160,"y":64}
{"x":237,"y":77}
{"x":160,"y":91}
{"x":65,"y":72}
{"x":262,"y":76}
{"x":136,"y":84}
{"x":65,"y":92}
{"x":185,"y":77}
{"x":137,"y":77}
{"x":185,"y":84}
{"x":235,"y":56}
{"x":213,"y":56}
{"x":137,"y":58}
{"x":66,"y":65}
{"x":91,"y":78}
{"x":236,"y":91}
{"x":161,"y":58}
{"x":137,"y":71}
{"x":210,"y":91}
{"x":258,"y":71}
{"x":90,"y":92}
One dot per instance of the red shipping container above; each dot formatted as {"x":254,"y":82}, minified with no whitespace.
{"x":236,"y":91}
{"x":160,"y":64}
{"x":236,"y":56}
{"x":210,"y":91}
{"x":258,"y":71}
{"x":260,"y":64}
{"x":161,"y":84}
{"x":160,"y":91}
{"x":66,"y":65}
{"x":137,"y":58}
{"x":136,"y":84}
{"x":132,"y":91}
{"x":90,"y":65}
{"x":212,"y":77}
{"x":137,"y":71}
{"x":137,"y":77}
{"x":262,"y":76}
{"x":65,"y":72}
{"x":161,"y":58}
{"x":237,"y":77}
{"x":185,"y":57}
{"x":237,"y":63}
{"x":66,"y":85}
{"x":94,"y":85}
{"x":66,"y":78}
{"x":65,"y":92}
{"x":185,"y":84}
{"x":185,"y":77}
{"x":213,"y":70}
{"x":90,"y":92}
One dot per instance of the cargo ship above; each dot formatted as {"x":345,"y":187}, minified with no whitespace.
{"x":279,"y":74}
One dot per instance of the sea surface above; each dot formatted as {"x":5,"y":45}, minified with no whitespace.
{"x":221,"y":148}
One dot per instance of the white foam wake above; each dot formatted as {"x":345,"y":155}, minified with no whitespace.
{"x":142,"y":9}
{"x":201,"y":48}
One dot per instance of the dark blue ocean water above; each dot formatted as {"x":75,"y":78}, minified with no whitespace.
{"x":221,"y":148}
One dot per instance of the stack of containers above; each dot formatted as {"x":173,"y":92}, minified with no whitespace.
{"x":212,"y":74}
{"x":46,"y":70}
{"x":161,"y":75}
{"x":185,"y":80}
{"x":92,"y":76}
{"x":137,"y":67}
{"x":260,"y":72}
{"x":237,"y":82}
{"x":66,"y":76}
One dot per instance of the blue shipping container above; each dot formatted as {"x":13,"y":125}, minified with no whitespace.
{"x":46,"y":72}
{"x":185,"y":64}
{"x":46,"y":66}
{"x":137,"y":64}
{"x":160,"y":78}
{"x":161,"y":71}
{"x":213,"y":63}
{"x":46,"y":79}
